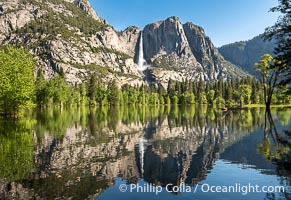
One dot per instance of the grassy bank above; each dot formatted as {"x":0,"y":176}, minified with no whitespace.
{"x":263,"y":105}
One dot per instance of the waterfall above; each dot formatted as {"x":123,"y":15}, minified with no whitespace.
{"x":142,"y":148}
{"x":141,"y":61}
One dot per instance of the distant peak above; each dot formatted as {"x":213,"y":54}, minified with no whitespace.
{"x":132,"y":28}
{"x":190,"y":24}
{"x":173,"y":18}
{"x":194,"y":26}
{"x":86,"y":7}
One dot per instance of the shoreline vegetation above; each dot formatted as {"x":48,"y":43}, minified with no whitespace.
{"x":20,"y":91}
{"x":272,"y":106}
{"x":16,"y":94}
{"x":215,"y":108}
{"x":150,"y":106}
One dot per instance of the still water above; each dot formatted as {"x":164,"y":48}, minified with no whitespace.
{"x":146,"y":153}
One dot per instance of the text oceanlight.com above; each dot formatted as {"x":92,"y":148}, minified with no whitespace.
{"x":205,"y":188}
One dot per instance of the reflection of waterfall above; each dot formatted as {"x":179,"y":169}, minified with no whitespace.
{"x":142,"y":149}
{"x":141,"y":61}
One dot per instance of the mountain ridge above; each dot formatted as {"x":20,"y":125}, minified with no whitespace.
{"x":186,"y":48}
{"x":246,"y":53}
{"x":70,"y":35}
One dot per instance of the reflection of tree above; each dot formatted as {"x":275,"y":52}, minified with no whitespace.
{"x":274,"y":147}
{"x":55,"y":121}
{"x":16,"y":149}
{"x":283,"y":115}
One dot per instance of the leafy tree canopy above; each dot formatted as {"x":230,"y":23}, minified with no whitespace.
{"x":16,"y":80}
{"x":281,"y":31}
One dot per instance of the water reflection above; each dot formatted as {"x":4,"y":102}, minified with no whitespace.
{"x":79,"y":153}
{"x":16,"y":149}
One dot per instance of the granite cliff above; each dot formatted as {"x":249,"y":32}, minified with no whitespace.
{"x":246,"y":53}
{"x":65,"y":34}
{"x":69,"y":36}
{"x":185,"y":49}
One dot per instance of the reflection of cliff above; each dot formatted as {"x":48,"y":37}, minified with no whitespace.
{"x":183,"y":154}
{"x":78,"y":165}
{"x":82,"y":160}
{"x":93,"y":148}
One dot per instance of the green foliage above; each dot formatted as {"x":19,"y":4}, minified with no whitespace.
{"x":16,"y":149}
{"x":92,"y":89}
{"x":272,"y":152}
{"x":203,"y":99}
{"x":55,"y":121}
{"x":58,"y":91}
{"x":154,"y":99}
{"x":210,"y":96}
{"x":282,"y":95}
{"x":95,"y":92}
{"x":83,"y":94}
{"x":40,"y":89}
{"x":187,"y":98}
{"x":167,"y":100}
{"x":269,"y":71}
{"x":220,"y":102}
{"x":16,"y":80}
{"x":264,"y":65}
{"x":101,"y":94}
{"x":245,"y":93}
{"x":113,"y":93}
{"x":174,"y":100}
{"x":281,"y":32}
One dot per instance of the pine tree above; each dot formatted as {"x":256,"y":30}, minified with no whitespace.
{"x":171,"y":88}
{"x":40,"y":89}
{"x":92,"y":89}
{"x":113,"y":93}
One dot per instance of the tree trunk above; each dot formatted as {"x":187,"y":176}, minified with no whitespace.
{"x":268,"y":106}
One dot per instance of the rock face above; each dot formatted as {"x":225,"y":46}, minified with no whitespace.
{"x":165,"y":37}
{"x":125,"y":41}
{"x":86,"y":7}
{"x":246,"y":53}
{"x":185,"y":48}
{"x":69,"y":35}
{"x":129,"y":40}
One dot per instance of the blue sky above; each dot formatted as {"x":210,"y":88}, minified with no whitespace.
{"x":224,"y":21}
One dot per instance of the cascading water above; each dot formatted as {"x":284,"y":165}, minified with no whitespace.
{"x":142,"y":141}
{"x":141,"y":61}
{"x":142,"y":148}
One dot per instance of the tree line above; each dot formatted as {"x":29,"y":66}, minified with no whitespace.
{"x":97,"y":93}
{"x":19,"y":89}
